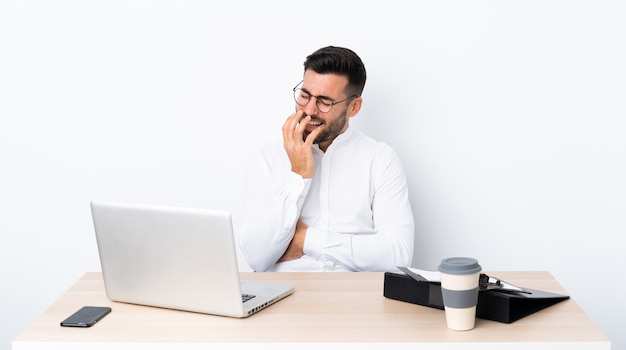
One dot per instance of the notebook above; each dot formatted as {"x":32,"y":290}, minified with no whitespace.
{"x":176,"y":258}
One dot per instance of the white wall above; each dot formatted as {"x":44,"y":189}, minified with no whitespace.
{"x":509,"y":117}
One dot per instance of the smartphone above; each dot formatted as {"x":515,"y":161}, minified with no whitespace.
{"x":86,"y":316}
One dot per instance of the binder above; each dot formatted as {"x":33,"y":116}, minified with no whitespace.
{"x":505,"y":307}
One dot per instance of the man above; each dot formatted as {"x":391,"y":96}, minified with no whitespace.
{"x":329,"y":198}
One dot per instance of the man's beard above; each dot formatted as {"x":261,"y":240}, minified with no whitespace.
{"x":331,"y":131}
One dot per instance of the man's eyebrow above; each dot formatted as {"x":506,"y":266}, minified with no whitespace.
{"x":320,"y":96}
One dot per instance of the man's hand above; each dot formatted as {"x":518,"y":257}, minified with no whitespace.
{"x":298,"y":149}
{"x":296,"y":246}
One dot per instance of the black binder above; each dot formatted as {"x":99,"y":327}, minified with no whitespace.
{"x":506,"y":307}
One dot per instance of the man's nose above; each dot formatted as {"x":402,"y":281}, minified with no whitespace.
{"x":311,"y":107}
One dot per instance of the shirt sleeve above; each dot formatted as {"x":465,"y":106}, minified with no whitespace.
{"x":391,"y":243}
{"x":271,"y":210}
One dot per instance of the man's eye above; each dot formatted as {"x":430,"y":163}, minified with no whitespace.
{"x":325,"y":102}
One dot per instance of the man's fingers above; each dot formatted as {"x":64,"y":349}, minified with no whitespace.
{"x":312,"y":136}
{"x":291,"y":126}
{"x":300,"y":128}
{"x":298,"y":150}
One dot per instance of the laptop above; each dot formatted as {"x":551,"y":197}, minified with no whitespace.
{"x":176,"y":258}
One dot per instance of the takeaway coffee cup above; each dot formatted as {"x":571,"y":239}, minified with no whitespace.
{"x":459,"y":288}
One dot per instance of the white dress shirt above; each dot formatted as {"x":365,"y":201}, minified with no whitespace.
{"x":356,"y":207}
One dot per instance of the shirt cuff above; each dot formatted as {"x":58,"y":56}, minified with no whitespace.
{"x":296,"y":184}
{"x":317,"y":240}
{"x":314,"y":241}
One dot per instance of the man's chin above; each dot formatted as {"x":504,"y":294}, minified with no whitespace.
{"x":320,"y":138}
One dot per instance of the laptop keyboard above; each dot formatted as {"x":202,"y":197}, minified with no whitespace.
{"x":246,"y":297}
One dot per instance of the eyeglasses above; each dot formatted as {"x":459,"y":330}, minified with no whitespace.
{"x":324,"y":104}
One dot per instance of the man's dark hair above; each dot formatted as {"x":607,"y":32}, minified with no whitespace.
{"x":341,"y":61}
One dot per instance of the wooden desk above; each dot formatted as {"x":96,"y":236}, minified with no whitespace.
{"x":337,"y":309}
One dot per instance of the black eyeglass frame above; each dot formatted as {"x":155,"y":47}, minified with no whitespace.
{"x":329,"y":104}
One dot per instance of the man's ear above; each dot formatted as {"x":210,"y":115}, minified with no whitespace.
{"x":355,"y":106}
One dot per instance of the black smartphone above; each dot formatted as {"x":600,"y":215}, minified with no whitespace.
{"x":86,"y":316}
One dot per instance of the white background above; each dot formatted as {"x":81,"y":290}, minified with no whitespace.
{"x":509,"y":118}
